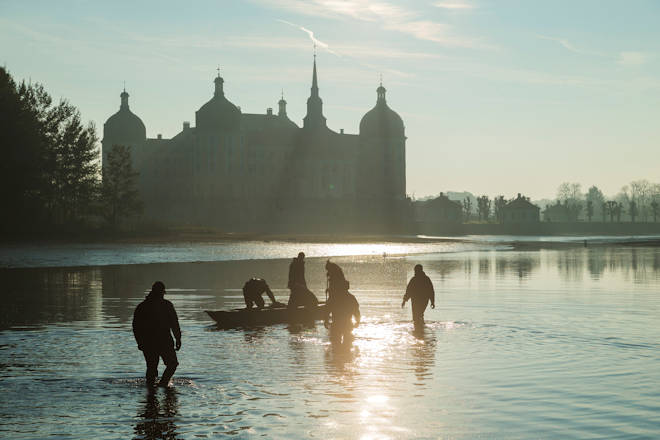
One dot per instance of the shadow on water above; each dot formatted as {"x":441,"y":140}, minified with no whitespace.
{"x":156,"y":418}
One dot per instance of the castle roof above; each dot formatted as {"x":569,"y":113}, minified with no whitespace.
{"x":218,"y":113}
{"x":382,"y":121}
{"x":124,"y":126}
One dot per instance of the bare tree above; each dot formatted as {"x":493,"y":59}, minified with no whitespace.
{"x":499,"y":203}
{"x":571,"y":195}
{"x":483,"y":207}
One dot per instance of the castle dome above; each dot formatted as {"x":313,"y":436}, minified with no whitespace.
{"x":218,"y":113}
{"x":124,"y":126}
{"x":382,"y":121}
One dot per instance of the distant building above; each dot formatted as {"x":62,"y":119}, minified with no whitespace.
{"x":520,"y":210}
{"x":255,"y":171}
{"x":557,"y":213}
{"x":438,"y":210}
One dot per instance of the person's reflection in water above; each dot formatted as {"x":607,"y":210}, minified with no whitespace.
{"x":156,"y":421}
{"x":423,"y":353}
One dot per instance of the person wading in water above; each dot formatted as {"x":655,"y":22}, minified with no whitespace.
{"x":154,"y":322}
{"x":419,"y":291}
{"x":300,"y":294}
{"x":341,"y":306}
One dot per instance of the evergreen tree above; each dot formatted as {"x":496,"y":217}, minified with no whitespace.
{"x":119,"y":195}
{"x":49,"y":166}
{"x":467,"y":208}
{"x":20,"y":165}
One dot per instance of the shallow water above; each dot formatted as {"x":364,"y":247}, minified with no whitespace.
{"x":536,"y":344}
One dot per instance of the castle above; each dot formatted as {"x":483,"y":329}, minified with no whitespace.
{"x":262,"y":172}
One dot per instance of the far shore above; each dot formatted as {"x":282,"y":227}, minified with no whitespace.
{"x":197,"y":236}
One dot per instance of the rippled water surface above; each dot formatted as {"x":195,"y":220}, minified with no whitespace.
{"x":535,"y":344}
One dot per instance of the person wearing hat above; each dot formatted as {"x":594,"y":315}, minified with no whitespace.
{"x":154,"y":323}
{"x":419,"y":291}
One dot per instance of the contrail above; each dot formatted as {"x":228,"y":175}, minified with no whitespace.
{"x":315,"y":40}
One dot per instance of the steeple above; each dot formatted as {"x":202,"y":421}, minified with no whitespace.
{"x":315,"y":84}
{"x":380,"y":92}
{"x":282,"y":104}
{"x":314,"y":118}
{"x":218,"y":85}
{"x":124,"y":99}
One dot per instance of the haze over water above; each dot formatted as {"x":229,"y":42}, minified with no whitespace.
{"x":523,"y":344}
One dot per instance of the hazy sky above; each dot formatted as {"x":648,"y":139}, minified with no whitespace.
{"x":498,"y":97}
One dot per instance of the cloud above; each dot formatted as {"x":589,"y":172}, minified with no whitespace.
{"x":315,"y":40}
{"x":389,"y":16}
{"x":432,"y":31}
{"x":454,"y":5}
{"x":633,"y":58}
{"x":565,"y":43}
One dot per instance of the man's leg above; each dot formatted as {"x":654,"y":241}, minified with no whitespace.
{"x":170,"y":360}
{"x":418,"y":307}
{"x":151,"y":358}
{"x":246,"y":298}
{"x":260,"y":301}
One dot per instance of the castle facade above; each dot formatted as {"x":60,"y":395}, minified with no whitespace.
{"x":262,"y":172}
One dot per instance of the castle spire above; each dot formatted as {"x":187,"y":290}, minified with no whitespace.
{"x":282,"y":105}
{"x":314,"y":116}
{"x":219,"y":91}
{"x":124,"y":99}
{"x":315,"y":84}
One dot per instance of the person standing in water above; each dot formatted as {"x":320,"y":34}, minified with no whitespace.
{"x":336,"y":280}
{"x":419,"y":291}
{"x":154,"y":322}
{"x":342,"y":307}
{"x":300,"y":294}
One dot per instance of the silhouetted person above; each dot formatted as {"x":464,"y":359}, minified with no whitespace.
{"x":154,"y":322}
{"x":300,"y":294}
{"x":419,"y":291}
{"x":336,"y":280}
{"x":342,"y":307}
{"x":252,"y":291}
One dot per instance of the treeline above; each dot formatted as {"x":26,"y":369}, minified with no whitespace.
{"x":50,"y":174}
{"x":637,"y":201}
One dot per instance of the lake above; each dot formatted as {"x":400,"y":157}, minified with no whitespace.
{"x":543,"y":343}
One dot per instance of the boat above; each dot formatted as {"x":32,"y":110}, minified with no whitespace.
{"x":267,"y":316}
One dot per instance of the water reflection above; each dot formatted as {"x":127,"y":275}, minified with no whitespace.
{"x":423,"y":354}
{"x":156,"y":418}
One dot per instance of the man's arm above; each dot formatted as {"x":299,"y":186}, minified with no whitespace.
{"x":406,"y":296}
{"x":137,"y":327}
{"x":432,"y":293}
{"x":356,"y":313}
{"x":270,"y":293}
{"x":176,"y":330}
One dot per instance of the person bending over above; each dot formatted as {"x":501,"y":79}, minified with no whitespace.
{"x":252,"y":291}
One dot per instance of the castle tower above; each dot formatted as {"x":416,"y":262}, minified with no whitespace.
{"x":123,"y":128}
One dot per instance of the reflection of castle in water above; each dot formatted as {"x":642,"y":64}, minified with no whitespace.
{"x":248,"y":171}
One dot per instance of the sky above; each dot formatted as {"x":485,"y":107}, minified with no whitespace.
{"x":497,"y":97}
